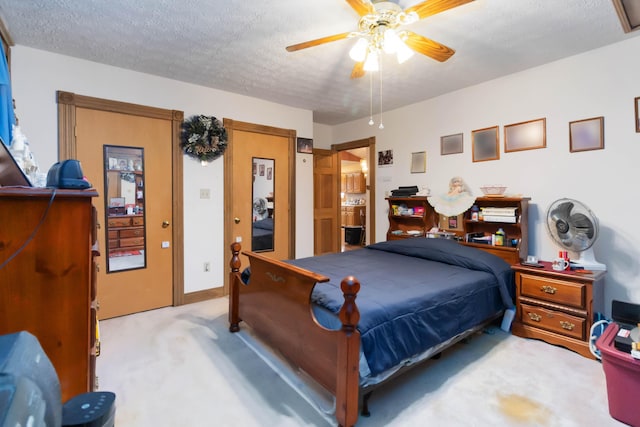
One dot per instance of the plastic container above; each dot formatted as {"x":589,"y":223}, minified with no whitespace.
{"x":622,"y":373}
{"x":500,"y":236}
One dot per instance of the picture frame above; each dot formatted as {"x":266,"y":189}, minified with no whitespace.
{"x":485,"y":144}
{"x":385,"y":157}
{"x":261,"y":169}
{"x":419,"y":162}
{"x":586,"y":134}
{"x":451,"y":144}
{"x":637,"y":105}
{"x":529,"y":135}
{"x":452,"y":222}
{"x":304,"y":145}
{"x":269,"y":173}
{"x":116,"y":202}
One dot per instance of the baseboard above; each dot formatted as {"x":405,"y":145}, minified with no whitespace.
{"x":203,"y":295}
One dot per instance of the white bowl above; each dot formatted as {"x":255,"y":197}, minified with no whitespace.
{"x":493,"y":190}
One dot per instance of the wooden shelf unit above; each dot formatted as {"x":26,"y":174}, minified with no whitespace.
{"x":518,"y":230}
{"x":400,"y":225}
{"x":49,"y":287}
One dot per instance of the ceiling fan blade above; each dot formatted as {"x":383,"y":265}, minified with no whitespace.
{"x":431,"y":7}
{"x":358,"y":70}
{"x":362,"y":7}
{"x":428,"y":47}
{"x":317,"y":42}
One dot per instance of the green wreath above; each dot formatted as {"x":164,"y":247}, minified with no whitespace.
{"x":204,"y":137}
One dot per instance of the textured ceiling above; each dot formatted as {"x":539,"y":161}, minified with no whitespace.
{"x":239,"y":45}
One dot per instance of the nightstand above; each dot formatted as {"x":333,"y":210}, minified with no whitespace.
{"x":557,"y":307}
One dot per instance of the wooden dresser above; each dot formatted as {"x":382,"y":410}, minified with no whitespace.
{"x":48,"y":288}
{"x":126,"y":232}
{"x":557,"y":307}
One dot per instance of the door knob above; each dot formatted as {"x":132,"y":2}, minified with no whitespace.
{"x":236,"y":220}
{"x":165,"y":224}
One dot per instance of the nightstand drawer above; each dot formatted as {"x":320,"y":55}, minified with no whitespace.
{"x":554,"y":321}
{"x":556,"y":291}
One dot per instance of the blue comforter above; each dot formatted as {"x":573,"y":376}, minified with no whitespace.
{"x":415,"y":293}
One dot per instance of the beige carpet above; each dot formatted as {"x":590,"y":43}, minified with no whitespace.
{"x":179,"y":366}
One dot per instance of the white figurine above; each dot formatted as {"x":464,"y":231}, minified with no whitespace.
{"x":456,"y":201}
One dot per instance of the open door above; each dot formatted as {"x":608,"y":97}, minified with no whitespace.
{"x":326,"y":209}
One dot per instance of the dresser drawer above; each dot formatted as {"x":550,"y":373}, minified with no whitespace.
{"x":132,"y":232}
{"x":552,"y":290}
{"x":138,"y":220}
{"x":132,"y":241}
{"x":554,"y":321}
{"x":119,"y":222}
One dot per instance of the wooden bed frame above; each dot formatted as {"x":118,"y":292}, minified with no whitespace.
{"x":277,"y":306}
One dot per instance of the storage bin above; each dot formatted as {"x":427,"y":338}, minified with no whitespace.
{"x":622,"y":374}
{"x":353,"y":234}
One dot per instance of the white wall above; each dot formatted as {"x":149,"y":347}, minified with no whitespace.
{"x":37,"y":75}
{"x":602,"y":82}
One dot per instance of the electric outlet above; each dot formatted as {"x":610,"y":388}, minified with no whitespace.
{"x":207,"y":267}
{"x":205,"y":193}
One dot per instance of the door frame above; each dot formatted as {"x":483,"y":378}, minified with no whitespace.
{"x":67,"y":104}
{"x":370,"y":142}
{"x":232,"y":125}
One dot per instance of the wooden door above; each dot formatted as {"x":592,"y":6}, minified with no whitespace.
{"x":326,"y":209}
{"x":131,"y":291}
{"x":248,"y":142}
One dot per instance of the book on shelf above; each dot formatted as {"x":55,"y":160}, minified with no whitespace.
{"x":500,"y":218}
{"x":496,"y":211}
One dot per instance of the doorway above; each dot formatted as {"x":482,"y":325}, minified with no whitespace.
{"x":259,"y":191}
{"x":357,"y":192}
{"x":131,"y":146}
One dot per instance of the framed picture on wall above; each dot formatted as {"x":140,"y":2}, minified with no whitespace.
{"x":261,"y":169}
{"x":587,"y":134}
{"x":484,"y":144}
{"x":451,"y":144}
{"x":637,"y":104}
{"x":525,"y":135}
{"x":419,"y":162}
{"x":305,"y":145}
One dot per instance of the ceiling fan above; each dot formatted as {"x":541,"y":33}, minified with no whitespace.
{"x":377,"y":33}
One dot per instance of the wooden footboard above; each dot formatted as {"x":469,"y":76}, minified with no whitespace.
{"x":276,"y":304}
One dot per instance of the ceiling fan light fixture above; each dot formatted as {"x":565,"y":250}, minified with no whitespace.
{"x":371,"y":63}
{"x":359,"y":50}
{"x":391,"y":42}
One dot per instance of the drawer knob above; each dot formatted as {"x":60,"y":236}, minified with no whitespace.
{"x":535,"y":317}
{"x":548,"y":289}
{"x":567,"y":325}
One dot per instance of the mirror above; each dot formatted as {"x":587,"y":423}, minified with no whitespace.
{"x":263,"y":204}
{"x":125,"y":233}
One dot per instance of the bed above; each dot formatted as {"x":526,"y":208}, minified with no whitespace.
{"x":262,"y":234}
{"x":353,"y":320}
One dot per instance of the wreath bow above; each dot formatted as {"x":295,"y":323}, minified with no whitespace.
{"x":204,"y":137}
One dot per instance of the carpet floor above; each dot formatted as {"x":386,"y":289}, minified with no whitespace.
{"x":179,"y":366}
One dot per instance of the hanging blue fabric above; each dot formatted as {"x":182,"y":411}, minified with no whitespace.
{"x":7,"y":118}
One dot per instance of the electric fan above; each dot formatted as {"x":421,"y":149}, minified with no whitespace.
{"x":260,"y":207}
{"x":573,"y":226}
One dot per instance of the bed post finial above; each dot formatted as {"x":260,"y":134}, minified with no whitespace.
{"x":349,"y":313}
{"x":235,"y":257}
{"x":234,"y":318}
{"x":347,"y":385}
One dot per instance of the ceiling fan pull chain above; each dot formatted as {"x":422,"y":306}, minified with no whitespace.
{"x":380,"y":126}
{"x":371,"y":99}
